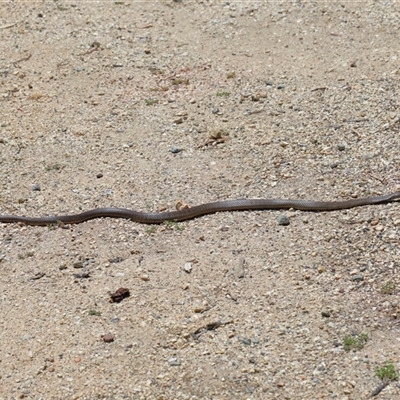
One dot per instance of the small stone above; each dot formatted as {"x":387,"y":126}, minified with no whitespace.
{"x":341,"y":146}
{"x":188,"y":267}
{"x":82,"y":275}
{"x":326,"y":313}
{"x":119,"y":295}
{"x":280,"y":87}
{"x":354,"y":272}
{"x":283,"y":220}
{"x":108,"y":338}
{"x":174,"y":362}
{"x":144,"y":277}
{"x":358,"y":278}
{"x":321,"y":269}
{"x":36,"y":187}
{"x":100,"y":175}
{"x":175,"y":150}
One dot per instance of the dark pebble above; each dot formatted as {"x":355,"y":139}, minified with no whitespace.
{"x":283,"y":220}
{"x":341,"y":147}
{"x":175,"y":150}
{"x":100,"y":175}
{"x":119,"y":295}
{"x":36,"y":188}
{"x":326,"y":313}
{"x":108,"y":338}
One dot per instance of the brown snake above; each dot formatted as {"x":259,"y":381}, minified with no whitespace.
{"x":203,"y":209}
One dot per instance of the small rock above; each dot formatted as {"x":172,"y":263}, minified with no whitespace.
{"x":283,"y":220}
{"x":82,"y":275}
{"x":144,"y":277}
{"x":326,"y":313}
{"x":36,"y":187}
{"x":108,"y":338}
{"x":175,"y":150}
{"x":119,"y":295}
{"x":341,"y":146}
{"x":188,"y":267}
{"x":353,"y":272}
{"x":174,"y":362}
{"x":358,"y":278}
{"x":100,"y":175}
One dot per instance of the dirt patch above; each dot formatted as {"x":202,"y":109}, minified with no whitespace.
{"x":140,"y":105}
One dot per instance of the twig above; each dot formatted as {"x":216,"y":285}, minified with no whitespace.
{"x":26,"y":58}
{"x":9,"y":25}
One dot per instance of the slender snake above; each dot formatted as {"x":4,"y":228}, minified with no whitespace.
{"x":203,"y":209}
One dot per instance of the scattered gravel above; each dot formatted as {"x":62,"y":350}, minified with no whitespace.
{"x":152,"y":104}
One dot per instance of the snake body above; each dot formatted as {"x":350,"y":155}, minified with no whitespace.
{"x":203,"y":209}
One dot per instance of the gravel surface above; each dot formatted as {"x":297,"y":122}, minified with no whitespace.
{"x":141,"y":105}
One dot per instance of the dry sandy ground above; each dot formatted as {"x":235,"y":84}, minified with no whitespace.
{"x":138,"y":105}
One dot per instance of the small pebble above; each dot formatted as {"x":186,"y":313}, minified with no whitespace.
{"x":358,"y":278}
{"x":36,"y":187}
{"x":188,"y":267}
{"x":174,"y":362}
{"x":175,"y":150}
{"x":341,"y":146}
{"x":326,"y":313}
{"x":108,"y":338}
{"x":283,"y":220}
